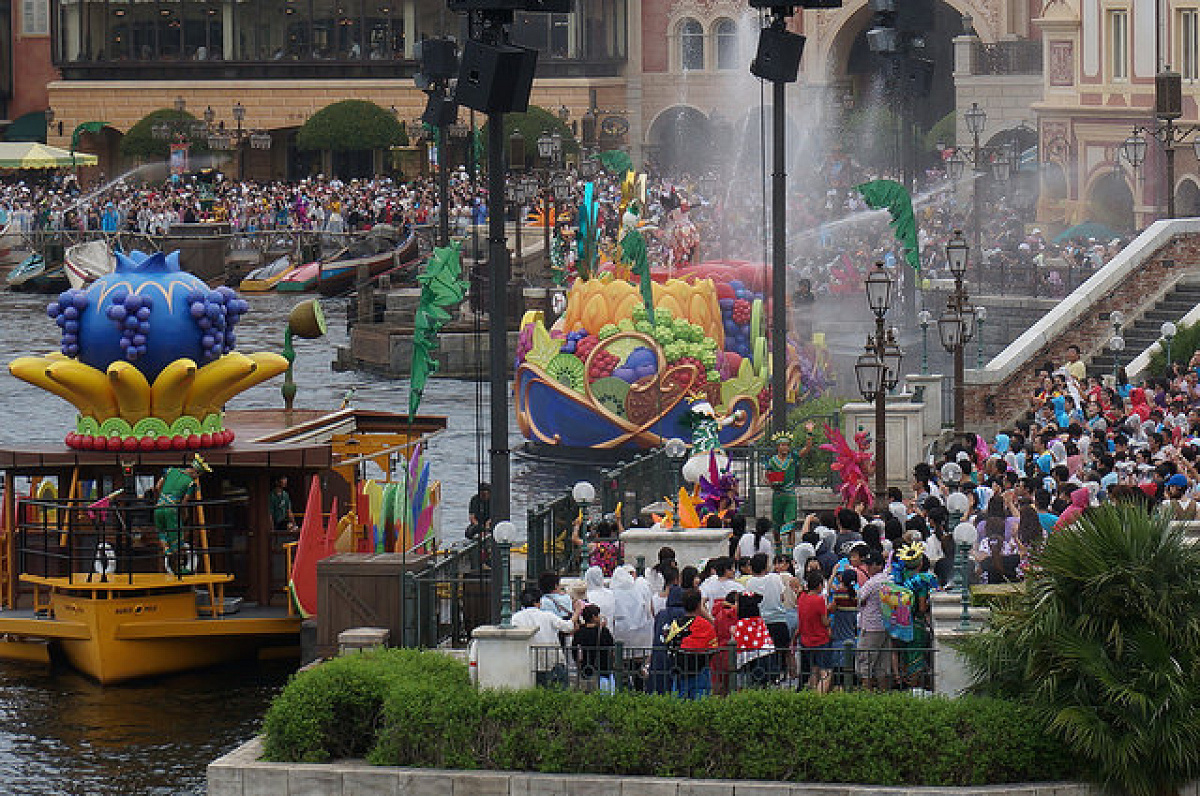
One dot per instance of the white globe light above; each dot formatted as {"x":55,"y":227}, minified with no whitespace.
{"x":957,"y":503}
{"x":965,"y":533}
{"x":1168,"y":329}
{"x":951,"y":472}
{"x":675,"y":447}
{"x":583,"y":492}
{"x":505,"y":532}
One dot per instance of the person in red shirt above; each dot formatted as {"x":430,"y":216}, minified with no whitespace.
{"x":694,"y":680}
{"x":813,"y":631}
{"x":724,"y":618}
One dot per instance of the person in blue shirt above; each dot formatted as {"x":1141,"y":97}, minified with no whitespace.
{"x":1042,"y":498}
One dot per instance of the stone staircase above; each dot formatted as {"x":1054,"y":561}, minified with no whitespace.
{"x":1144,"y":331}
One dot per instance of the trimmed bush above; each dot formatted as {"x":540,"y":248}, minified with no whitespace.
{"x":350,"y":125}
{"x":335,"y":710}
{"x":407,"y":708}
{"x":140,"y":144}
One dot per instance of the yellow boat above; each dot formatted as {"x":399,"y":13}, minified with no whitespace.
{"x":86,"y":581}
{"x":263,"y":280}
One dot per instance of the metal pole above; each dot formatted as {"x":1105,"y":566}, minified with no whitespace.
{"x":546,"y":222}
{"x":976,"y":211}
{"x":1170,"y":152}
{"x":498,"y":320}
{"x":778,"y":263}
{"x":960,"y":296}
{"x":979,"y":341}
{"x":880,"y":417}
{"x":924,"y":349}
{"x":443,"y":188}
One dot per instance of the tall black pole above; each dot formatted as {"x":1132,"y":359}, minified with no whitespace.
{"x":778,"y":262}
{"x":443,"y":188}
{"x":1170,"y":153}
{"x":880,"y":416}
{"x":960,"y":301}
{"x":498,"y":267}
{"x":976,"y":157}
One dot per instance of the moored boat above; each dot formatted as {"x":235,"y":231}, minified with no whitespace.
{"x":264,"y":279}
{"x":378,"y":251}
{"x":86,"y":262}
{"x":300,"y":279}
{"x":34,"y":275}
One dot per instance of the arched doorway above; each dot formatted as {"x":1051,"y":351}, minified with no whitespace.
{"x":681,"y":141}
{"x":1187,"y":199}
{"x":1110,"y":202}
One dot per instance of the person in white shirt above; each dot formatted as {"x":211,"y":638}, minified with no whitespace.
{"x":549,"y":664}
{"x":751,"y":544}
{"x":721,"y":582}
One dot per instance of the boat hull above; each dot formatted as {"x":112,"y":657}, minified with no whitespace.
{"x":301,"y":279}
{"x":264,"y":285}
{"x":115,"y":638}
{"x":338,"y":277}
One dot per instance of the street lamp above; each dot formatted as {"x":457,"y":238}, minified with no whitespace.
{"x":924,"y":318}
{"x":980,"y":317}
{"x":1116,"y":344}
{"x":516,"y":151}
{"x":878,"y":369}
{"x":965,"y":535}
{"x":956,"y":326}
{"x":505,"y":533}
{"x":239,"y":115}
{"x":584,"y":494}
{"x":1167,"y":108}
{"x":1168,"y":331}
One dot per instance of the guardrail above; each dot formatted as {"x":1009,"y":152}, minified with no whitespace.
{"x":450,"y":597}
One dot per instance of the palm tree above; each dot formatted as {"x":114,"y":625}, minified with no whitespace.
{"x":1104,"y":641}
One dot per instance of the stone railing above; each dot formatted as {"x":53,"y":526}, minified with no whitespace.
{"x":1132,"y":282}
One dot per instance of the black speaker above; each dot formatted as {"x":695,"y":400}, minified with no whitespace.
{"x":438,"y":58}
{"x":778,"y":56}
{"x":495,"y":78}
{"x":1168,"y":95}
{"x":440,"y":111}
{"x":914,"y":16}
{"x":918,"y":76}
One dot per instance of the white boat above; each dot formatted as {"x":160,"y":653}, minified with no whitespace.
{"x":87,"y":262}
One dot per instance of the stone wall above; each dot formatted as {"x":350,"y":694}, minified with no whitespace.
{"x":1131,"y":283}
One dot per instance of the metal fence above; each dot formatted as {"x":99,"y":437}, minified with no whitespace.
{"x":1008,"y":58}
{"x":727,"y":670}
{"x":451,"y":596}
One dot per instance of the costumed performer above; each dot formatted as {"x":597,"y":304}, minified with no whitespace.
{"x":174,"y":488}
{"x":782,"y":471}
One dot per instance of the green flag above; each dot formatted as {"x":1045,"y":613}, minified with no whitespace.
{"x":442,"y":289}
{"x":891,"y":196}
{"x":633,"y":251}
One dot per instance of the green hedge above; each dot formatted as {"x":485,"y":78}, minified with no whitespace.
{"x":417,"y":709}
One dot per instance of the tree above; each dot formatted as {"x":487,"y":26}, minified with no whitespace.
{"x":944,"y":131}
{"x":140,"y":144}
{"x":1104,"y":642}
{"x":532,"y":124}
{"x":350,"y":125}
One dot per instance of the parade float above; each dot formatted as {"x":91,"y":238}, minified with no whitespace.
{"x":125,"y":552}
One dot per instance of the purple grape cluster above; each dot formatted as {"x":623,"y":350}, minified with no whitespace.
{"x":66,"y":312}
{"x":216,"y":313}
{"x":572,"y":338}
{"x":130,"y":312}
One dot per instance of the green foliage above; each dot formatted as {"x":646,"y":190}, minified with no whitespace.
{"x":335,"y":710}
{"x":532,"y":124}
{"x":944,"y":131}
{"x":1103,"y":643}
{"x":140,"y":144}
{"x":350,"y":125}
{"x":826,"y":409}
{"x":1185,"y":343}
{"x":411,"y":708}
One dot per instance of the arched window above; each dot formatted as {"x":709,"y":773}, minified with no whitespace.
{"x":727,"y":44}
{"x":691,"y":45}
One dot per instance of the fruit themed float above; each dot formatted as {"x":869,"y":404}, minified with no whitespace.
{"x":148,"y":357}
{"x":607,"y":375}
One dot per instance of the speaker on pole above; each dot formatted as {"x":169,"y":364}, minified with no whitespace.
{"x":778,"y":56}
{"x":495,"y":78}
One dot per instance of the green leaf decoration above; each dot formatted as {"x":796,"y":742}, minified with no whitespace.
{"x":890,"y":195}
{"x":442,"y":289}
{"x":544,"y":348}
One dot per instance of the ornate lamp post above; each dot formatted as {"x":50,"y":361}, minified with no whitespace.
{"x":878,"y":368}
{"x":956,"y":326}
{"x":1116,"y":344}
{"x":1168,"y":331}
{"x":584,"y":494}
{"x":976,"y":120}
{"x":980,"y":317}
{"x":550,"y":149}
{"x":505,"y":533}
{"x":1168,"y":106}
{"x":924,"y":318}
{"x":964,"y":536}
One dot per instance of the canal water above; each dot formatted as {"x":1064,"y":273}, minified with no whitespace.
{"x":61,"y":733}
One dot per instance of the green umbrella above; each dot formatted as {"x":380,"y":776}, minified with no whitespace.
{"x":1088,"y":229}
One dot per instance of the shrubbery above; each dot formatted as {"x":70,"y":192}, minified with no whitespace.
{"x":417,"y":709}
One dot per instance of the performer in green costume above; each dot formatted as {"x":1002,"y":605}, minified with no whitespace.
{"x":782,"y":470}
{"x":174,"y":488}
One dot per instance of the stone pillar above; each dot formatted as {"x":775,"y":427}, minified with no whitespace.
{"x":905,"y":437}
{"x":410,"y":27}
{"x":927,"y":391}
{"x":227,"y":34}
{"x":633,"y":82}
{"x":501,"y":657}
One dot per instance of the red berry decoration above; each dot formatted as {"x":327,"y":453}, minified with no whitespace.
{"x":162,"y":443}
{"x":193,"y":441}
{"x":741,"y":312}
{"x":178,"y":442}
{"x":764,"y":400}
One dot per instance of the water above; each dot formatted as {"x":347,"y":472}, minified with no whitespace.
{"x":63,"y":734}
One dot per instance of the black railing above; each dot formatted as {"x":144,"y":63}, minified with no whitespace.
{"x":88,"y":543}
{"x":896,"y":666}
{"x":454,"y":594}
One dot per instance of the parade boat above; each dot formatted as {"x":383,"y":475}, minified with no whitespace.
{"x":127,"y":553}
{"x":83,"y":578}
{"x":264,"y":279}
{"x":301,"y":279}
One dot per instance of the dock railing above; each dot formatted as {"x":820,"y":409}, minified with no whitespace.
{"x":451,"y":596}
